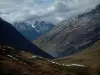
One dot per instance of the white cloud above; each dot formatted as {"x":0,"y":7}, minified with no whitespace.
{"x":59,"y":18}
{"x":49,"y":10}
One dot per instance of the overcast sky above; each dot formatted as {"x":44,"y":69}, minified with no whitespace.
{"x":47,"y":10}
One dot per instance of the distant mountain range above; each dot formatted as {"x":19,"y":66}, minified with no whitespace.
{"x":33,"y":30}
{"x":72,"y":35}
{"x":11,"y":37}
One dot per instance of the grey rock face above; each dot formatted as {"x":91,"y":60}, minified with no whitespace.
{"x":73,"y":35}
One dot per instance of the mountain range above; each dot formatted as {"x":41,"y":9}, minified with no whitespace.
{"x":32,"y":30}
{"x":74,"y":42}
{"x":11,"y":37}
{"x":72,"y":35}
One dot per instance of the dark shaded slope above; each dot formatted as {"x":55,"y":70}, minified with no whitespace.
{"x":11,"y":37}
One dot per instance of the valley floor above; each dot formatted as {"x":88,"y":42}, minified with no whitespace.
{"x":14,"y":62}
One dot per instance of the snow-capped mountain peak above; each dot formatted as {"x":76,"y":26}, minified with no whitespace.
{"x":32,"y":30}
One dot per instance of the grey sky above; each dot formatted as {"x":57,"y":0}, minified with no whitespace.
{"x":48,"y":10}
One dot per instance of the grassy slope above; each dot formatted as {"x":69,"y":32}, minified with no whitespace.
{"x":8,"y":66}
{"x":26,"y":66}
{"x":89,"y":57}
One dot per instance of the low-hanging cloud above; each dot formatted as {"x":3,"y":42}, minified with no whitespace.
{"x":48,"y":10}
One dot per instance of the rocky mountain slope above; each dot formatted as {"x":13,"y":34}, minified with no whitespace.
{"x":11,"y":37}
{"x":72,"y":35}
{"x":17,"y":62}
{"x":33,"y":30}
